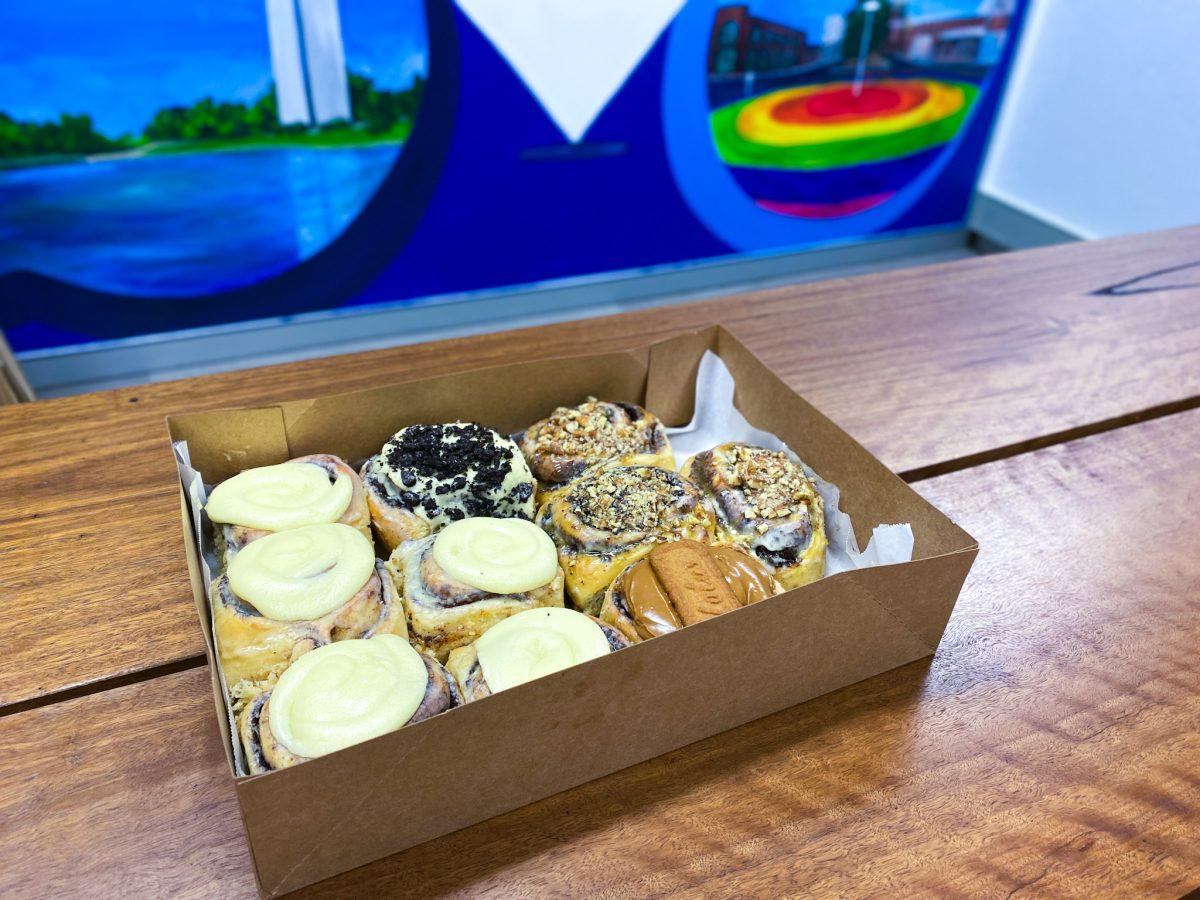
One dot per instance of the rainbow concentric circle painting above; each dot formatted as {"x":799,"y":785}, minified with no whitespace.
{"x":835,"y":149}
{"x":795,"y":122}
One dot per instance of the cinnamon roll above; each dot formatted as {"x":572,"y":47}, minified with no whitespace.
{"x":457,"y":584}
{"x":572,"y":439}
{"x":339,"y":695}
{"x":683,"y":583}
{"x":608,"y":518}
{"x":765,"y":503}
{"x":428,"y":476}
{"x":292,"y":591}
{"x":529,"y":645}
{"x":309,"y":490}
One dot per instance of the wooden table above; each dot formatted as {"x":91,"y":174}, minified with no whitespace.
{"x":1047,"y":401}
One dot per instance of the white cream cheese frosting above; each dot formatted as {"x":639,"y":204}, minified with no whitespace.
{"x":345,"y":693}
{"x":276,"y":498}
{"x":501,"y":556}
{"x":302,"y":573}
{"x":535,"y":643}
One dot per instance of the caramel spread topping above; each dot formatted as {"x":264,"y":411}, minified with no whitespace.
{"x":693,"y":581}
{"x":632,"y":498}
{"x":750,"y":579}
{"x":649,"y":599}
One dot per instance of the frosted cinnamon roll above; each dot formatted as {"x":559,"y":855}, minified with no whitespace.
{"x":292,"y":591}
{"x":470,"y":575}
{"x":428,"y":476}
{"x":572,"y":439}
{"x":339,"y":695}
{"x":529,"y":645}
{"x":608,"y":518}
{"x":683,"y":583}
{"x":765,"y":503}
{"x":309,"y":490}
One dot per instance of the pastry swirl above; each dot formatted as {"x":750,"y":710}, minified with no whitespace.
{"x":766,"y":503}
{"x":308,"y":490}
{"x":641,"y":605}
{"x":427,"y":476}
{"x":255,"y":646}
{"x":530,"y":651}
{"x":572,"y":439}
{"x":326,"y":703}
{"x":445,"y":612}
{"x":610,"y":517}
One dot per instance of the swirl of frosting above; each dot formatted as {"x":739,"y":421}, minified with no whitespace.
{"x":345,"y":693}
{"x":537,"y":642}
{"x":275,"y":498}
{"x":501,"y":556}
{"x":303,"y":573}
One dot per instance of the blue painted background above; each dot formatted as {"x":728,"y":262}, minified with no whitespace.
{"x":486,"y":193}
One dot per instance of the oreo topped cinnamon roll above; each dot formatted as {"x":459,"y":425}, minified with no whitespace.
{"x":765,"y":503}
{"x":309,"y":490}
{"x":428,"y":476}
{"x":608,"y":518}
{"x":572,"y":439}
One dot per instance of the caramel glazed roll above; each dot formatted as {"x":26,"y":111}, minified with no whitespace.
{"x":765,"y":503}
{"x":609,"y":518}
{"x":458,"y":583}
{"x":572,"y":439}
{"x":307,"y":490}
{"x":682,"y":583}
{"x":290,"y":592}
{"x":529,"y":645}
{"x":339,"y":695}
{"x":428,"y":476}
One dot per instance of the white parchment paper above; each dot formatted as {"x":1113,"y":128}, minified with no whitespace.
{"x":193,"y":486}
{"x":717,"y":421}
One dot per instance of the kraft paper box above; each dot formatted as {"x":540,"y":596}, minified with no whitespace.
{"x":344,"y":810}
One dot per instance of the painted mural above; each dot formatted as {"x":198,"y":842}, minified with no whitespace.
{"x":192,"y":164}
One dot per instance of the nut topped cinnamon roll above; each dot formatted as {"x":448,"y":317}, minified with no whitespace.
{"x":572,"y":439}
{"x":530,"y":645}
{"x":458,"y":583}
{"x":339,"y":695}
{"x":608,"y":518}
{"x":765,"y":503}
{"x":293,"y":591}
{"x":428,"y":476}
{"x":309,"y":490}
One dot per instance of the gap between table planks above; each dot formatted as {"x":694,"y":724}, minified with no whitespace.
{"x":1051,"y":742}
{"x":934,"y":367}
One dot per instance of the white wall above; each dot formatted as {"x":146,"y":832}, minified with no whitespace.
{"x":1100,"y":130}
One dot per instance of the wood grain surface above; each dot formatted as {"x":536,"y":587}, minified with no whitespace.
{"x":1050,"y":748}
{"x":924,"y":366}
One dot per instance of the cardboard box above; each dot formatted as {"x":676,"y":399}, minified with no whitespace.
{"x":477,"y":761}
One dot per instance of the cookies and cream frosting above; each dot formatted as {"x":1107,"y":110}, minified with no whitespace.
{"x":445,"y":473}
{"x":345,"y":693}
{"x":537,"y":642}
{"x":275,"y":498}
{"x":302,"y":573}
{"x":500,"y":556}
